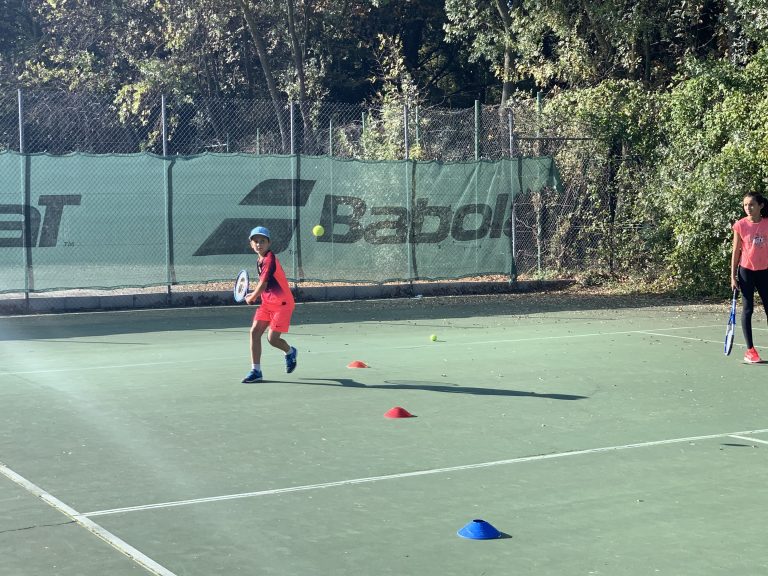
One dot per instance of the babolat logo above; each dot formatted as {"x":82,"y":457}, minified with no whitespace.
{"x":41,"y":236}
{"x":231,"y":235}
{"x":431,"y":223}
{"x":342,"y":217}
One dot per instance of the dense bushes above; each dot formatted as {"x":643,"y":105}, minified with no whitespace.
{"x":679,"y":162}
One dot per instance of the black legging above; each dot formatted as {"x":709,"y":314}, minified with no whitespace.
{"x":749,"y":281}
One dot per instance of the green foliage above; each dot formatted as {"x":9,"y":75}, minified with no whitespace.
{"x":577,"y":44}
{"x":716,"y":127}
{"x":382,"y":137}
{"x":614,"y":110}
{"x":678,"y":164}
{"x":615,"y":214}
{"x":672,"y":95}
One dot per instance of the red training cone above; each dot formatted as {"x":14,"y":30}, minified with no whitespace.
{"x":398,"y":412}
{"x":357,"y":364}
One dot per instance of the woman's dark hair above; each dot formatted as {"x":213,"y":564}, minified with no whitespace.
{"x":761,"y":201}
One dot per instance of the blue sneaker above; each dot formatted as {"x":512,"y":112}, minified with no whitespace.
{"x":253,"y":376}
{"x":290,"y":360}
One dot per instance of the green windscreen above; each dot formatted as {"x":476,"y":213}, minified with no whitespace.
{"x":108,"y":221}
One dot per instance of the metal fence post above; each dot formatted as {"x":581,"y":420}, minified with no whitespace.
{"x":361,"y":143}
{"x":298,"y":273}
{"x":164,"y":125}
{"x":512,"y":219}
{"x":477,"y":129}
{"x":538,"y":114}
{"x":416,"y":120}
{"x":405,"y":132}
{"x":542,"y":204}
{"x":170,"y":272}
{"x":20,"y":100}
{"x":409,"y":203}
{"x":519,"y":156}
{"x":476,"y":170}
{"x":29,"y":278}
{"x":290,"y":112}
{"x":330,"y":174}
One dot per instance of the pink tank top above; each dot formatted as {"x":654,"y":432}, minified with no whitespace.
{"x":754,"y":243}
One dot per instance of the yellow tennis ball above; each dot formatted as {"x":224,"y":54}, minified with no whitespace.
{"x":318,"y":230}
{"x":433,"y":337}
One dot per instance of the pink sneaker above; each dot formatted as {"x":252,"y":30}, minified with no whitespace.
{"x":752,"y":357}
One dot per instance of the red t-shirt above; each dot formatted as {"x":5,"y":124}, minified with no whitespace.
{"x":277,"y":291}
{"x":754,"y":243}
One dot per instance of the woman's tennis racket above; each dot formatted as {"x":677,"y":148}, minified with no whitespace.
{"x":241,"y":286}
{"x":731,"y":324}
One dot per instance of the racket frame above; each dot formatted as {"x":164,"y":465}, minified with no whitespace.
{"x":242,"y":279}
{"x":730,"y":328}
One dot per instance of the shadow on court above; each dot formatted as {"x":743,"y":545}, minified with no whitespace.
{"x":53,"y":326}
{"x":176,"y":459}
{"x":438,"y":387}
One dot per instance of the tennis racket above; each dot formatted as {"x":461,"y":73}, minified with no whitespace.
{"x":241,"y":286}
{"x":731,"y":324}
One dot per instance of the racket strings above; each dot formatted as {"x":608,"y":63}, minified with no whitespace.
{"x":241,"y":286}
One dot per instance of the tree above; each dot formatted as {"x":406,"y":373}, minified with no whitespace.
{"x":716,"y":129}
{"x":18,"y":33}
{"x":576,"y":44}
{"x":264,"y":58}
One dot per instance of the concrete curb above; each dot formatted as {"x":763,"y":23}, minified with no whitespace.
{"x":42,"y":303}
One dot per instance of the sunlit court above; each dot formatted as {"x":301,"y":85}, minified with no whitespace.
{"x":595,"y":435}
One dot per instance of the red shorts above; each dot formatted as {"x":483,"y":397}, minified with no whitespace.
{"x":279,"y":317}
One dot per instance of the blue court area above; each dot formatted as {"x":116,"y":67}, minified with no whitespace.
{"x":597,"y":435}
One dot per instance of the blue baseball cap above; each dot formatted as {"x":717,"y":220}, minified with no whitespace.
{"x":259,"y":231}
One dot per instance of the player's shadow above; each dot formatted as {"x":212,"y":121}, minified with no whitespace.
{"x":440,"y":387}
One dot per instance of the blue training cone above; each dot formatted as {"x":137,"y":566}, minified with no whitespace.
{"x":479,"y":530}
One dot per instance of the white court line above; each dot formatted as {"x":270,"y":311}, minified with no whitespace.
{"x":112,"y":366}
{"x":408,"y":347}
{"x":749,"y":439}
{"x":117,"y":543}
{"x":563,"y":337}
{"x":399,"y":476}
{"x":687,"y":338}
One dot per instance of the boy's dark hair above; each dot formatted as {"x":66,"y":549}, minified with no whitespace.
{"x":760,"y":199}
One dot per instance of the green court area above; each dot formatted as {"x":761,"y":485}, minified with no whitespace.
{"x":598,"y":435}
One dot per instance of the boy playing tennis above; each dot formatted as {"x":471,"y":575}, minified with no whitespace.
{"x":277,"y":305}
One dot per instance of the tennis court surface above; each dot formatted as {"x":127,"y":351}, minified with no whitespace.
{"x":599,"y":436}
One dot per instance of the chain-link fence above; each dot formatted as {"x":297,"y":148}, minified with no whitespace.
{"x":64,"y":122}
{"x":558,"y":231}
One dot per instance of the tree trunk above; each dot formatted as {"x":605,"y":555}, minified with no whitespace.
{"x":298,"y":61}
{"x":261,"y":50}
{"x":506,"y":19}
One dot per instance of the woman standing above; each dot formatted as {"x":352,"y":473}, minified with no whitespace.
{"x":749,"y":263}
